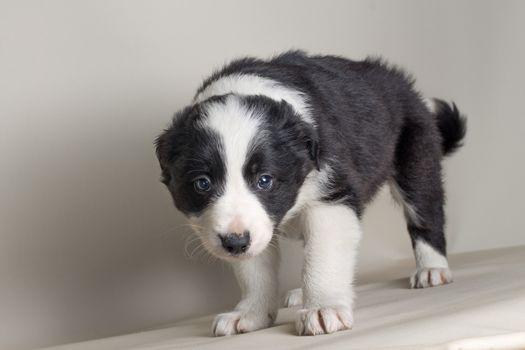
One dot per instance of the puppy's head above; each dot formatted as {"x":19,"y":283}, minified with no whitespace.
{"x":234,"y":166}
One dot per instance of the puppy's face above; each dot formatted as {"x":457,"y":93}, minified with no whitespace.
{"x":234,"y":166}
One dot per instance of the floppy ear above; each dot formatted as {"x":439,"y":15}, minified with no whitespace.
{"x":162,"y":151}
{"x":313,"y":147}
{"x":173,"y":139}
{"x":303,"y":133}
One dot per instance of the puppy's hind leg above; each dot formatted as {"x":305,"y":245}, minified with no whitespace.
{"x":418,"y":186}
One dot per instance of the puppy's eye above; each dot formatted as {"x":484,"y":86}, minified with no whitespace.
{"x":265,"y":182}
{"x":202,"y":184}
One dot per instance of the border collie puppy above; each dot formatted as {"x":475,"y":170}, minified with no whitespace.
{"x":306,"y":142}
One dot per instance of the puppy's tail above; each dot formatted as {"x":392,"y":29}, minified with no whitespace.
{"x":452,"y":125}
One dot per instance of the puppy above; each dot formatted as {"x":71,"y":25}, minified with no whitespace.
{"x":306,"y":142}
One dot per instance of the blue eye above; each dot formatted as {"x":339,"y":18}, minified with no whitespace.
{"x":265,"y":182}
{"x":202,"y":184}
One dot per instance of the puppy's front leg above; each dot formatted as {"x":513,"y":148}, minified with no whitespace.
{"x":332,"y":233}
{"x":257,"y":277}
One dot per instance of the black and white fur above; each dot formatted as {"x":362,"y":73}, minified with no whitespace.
{"x":327,"y":133}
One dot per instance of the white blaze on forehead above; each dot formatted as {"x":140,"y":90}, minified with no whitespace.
{"x":237,"y":126}
{"x":238,"y":206}
{"x":249,"y":84}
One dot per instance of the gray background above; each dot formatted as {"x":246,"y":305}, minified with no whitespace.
{"x":90,"y":244}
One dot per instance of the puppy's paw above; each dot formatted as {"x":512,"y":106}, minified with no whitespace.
{"x":237,"y":322}
{"x":293,"y":298}
{"x":430,"y":277}
{"x":323,"y":320}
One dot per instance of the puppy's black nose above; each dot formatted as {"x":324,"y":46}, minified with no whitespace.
{"x":236,"y":243}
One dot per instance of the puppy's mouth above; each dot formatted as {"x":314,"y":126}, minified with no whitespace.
{"x":220,"y":253}
{"x":238,"y":257}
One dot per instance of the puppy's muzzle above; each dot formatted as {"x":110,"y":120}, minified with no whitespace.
{"x":236,"y":243}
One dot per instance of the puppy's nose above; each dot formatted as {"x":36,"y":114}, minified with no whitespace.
{"x":236,"y":243}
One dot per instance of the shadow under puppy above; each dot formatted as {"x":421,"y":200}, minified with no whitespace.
{"x":307,"y":141}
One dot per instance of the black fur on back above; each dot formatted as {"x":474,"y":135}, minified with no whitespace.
{"x":452,"y":126}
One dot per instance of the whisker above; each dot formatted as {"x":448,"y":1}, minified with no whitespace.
{"x":192,"y":225}
{"x":189,"y":241}
{"x":196,"y":249}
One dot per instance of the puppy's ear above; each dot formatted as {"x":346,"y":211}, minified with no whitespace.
{"x":162,"y":149}
{"x":304,"y":134}
{"x":312,"y":144}
{"x":165,"y":145}
{"x":173,"y":140}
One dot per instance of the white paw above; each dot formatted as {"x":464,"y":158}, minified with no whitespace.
{"x":236,"y":322}
{"x":294,"y":297}
{"x":430,"y":277}
{"x":323,"y":320}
